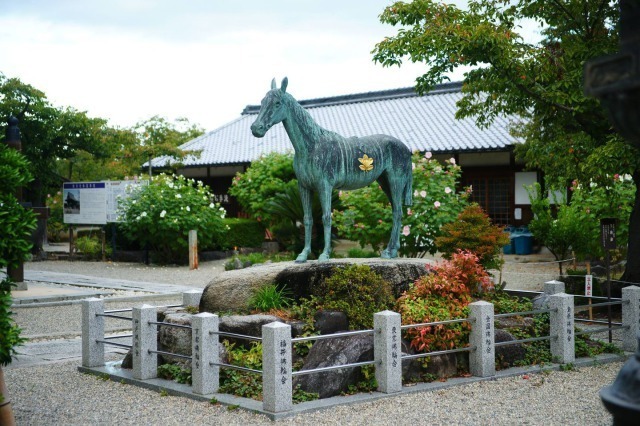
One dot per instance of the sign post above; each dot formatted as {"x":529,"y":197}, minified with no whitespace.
{"x":588,"y":291}
{"x":608,"y":240}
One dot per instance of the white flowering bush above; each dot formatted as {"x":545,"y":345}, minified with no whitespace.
{"x":366,"y":213}
{"x":162,"y":214}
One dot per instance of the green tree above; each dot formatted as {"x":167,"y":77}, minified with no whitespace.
{"x":159,"y":137}
{"x":565,"y":133}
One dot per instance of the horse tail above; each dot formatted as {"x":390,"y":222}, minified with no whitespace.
{"x":408,"y":191}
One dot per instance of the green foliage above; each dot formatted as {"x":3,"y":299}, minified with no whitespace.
{"x":504,"y":303}
{"x":55,"y":221}
{"x":443,"y":294}
{"x":243,"y":233}
{"x":16,"y":224}
{"x":302,"y":396}
{"x":538,"y":352}
{"x":162,"y":214}
{"x":366,"y":213}
{"x":569,"y":228}
{"x":241,"y":383}
{"x":265,"y":178}
{"x":359,"y":253}
{"x":367,"y":382}
{"x":270,"y":297}
{"x":355,"y":290}
{"x":474,"y":232}
{"x":175,"y":372}
{"x":91,"y":247}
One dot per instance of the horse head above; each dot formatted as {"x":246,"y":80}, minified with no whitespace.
{"x":272,"y":109}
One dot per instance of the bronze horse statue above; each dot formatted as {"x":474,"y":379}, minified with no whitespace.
{"x":325,"y":160}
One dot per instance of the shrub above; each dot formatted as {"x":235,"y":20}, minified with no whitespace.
{"x":365,"y":216}
{"x":441,"y":295}
{"x":357,"y":291}
{"x":91,"y":247}
{"x":162,"y":214}
{"x":267,"y":176}
{"x":243,"y":233}
{"x":16,"y":224}
{"x":359,"y":253}
{"x":474,"y":232}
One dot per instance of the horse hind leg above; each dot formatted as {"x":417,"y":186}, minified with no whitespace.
{"x":395,"y":190}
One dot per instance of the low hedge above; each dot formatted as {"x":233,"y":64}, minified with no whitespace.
{"x":243,"y":233}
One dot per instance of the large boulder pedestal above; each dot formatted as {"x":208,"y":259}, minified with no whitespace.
{"x":231,"y":290}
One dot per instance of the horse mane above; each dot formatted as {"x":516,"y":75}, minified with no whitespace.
{"x":307,"y":124}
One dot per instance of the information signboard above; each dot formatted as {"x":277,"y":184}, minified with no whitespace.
{"x":608,"y":233}
{"x":588,"y":285}
{"x":84,"y":203}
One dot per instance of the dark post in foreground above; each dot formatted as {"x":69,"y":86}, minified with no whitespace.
{"x":16,"y":274}
{"x":615,"y":80}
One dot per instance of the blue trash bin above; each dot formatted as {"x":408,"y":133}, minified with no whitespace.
{"x":523,"y":243}
{"x":508,"y":249}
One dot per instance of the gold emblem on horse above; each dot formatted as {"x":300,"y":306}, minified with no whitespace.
{"x":366,"y":163}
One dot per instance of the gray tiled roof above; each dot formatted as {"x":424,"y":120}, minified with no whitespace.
{"x":423,"y":123}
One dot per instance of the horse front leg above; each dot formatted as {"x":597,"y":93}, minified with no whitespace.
{"x":305,"y":197}
{"x":325,"y":201}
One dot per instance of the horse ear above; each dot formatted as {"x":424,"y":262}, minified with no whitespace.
{"x":283,"y":87}
{"x":273,"y":83}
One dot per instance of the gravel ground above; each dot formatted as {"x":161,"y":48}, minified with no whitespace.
{"x":58,"y":394}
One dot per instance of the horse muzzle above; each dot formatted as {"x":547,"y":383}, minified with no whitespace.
{"x":258,"y":129}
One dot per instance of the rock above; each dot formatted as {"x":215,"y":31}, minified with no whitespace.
{"x":508,"y":355}
{"x":232,"y":289}
{"x":173,"y":339}
{"x":514,"y":322}
{"x":329,"y":322}
{"x":248,"y":325}
{"x":330,"y":352}
{"x":439,"y":366}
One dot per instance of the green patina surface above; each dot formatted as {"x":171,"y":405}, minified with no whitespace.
{"x":325,"y":160}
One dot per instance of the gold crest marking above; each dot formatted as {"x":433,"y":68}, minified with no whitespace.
{"x":366,"y":163}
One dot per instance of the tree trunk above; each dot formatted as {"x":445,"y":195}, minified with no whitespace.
{"x":632,"y":270}
{"x":6,"y":413}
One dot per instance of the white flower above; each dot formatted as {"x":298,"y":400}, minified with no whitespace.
{"x":415,"y":193}
{"x":423,"y":193}
{"x":222,"y":209}
{"x":627,"y":177}
{"x":143,"y":214}
{"x":212,"y":206}
{"x":406,"y":230}
{"x":428,"y":155}
{"x":447,"y":190}
{"x":452,"y":160}
{"x":163,"y":213}
{"x":178,"y":196}
{"x":436,"y":204}
{"x":593,"y":184}
{"x":188,"y":208}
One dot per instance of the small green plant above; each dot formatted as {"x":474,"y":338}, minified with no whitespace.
{"x":241,"y":383}
{"x":192,"y":309}
{"x":91,"y":247}
{"x":357,"y":291}
{"x":270,"y":297}
{"x":300,"y":395}
{"x":567,"y":367}
{"x":233,"y":407}
{"x":214,"y":401}
{"x":163,"y":393}
{"x":505,"y":303}
{"x":175,"y":372}
{"x":104,"y":377}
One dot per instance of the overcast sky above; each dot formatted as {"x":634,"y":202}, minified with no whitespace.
{"x":127,"y":60}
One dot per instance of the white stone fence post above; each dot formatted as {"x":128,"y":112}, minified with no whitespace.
{"x":630,"y":317}
{"x":92,"y":332}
